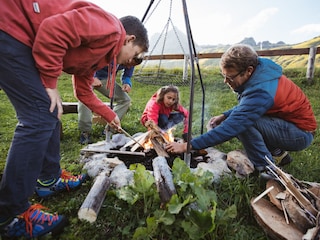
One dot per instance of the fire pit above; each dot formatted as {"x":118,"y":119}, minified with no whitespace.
{"x":107,"y":162}
{"x":141,"y":147}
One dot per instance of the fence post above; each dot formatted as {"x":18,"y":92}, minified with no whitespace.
{"x":185,"y":67}
{"x":311,"y":61}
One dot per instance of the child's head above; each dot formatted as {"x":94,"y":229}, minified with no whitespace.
{"x":134,"y":26}
{"x":136,"y":42}
{"x":163,"y":91}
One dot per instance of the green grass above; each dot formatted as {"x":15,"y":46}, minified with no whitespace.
{"x":117,"y":219}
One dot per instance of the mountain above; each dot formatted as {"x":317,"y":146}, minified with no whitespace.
{"x":172,"y":42}
{"x":175,"y":41}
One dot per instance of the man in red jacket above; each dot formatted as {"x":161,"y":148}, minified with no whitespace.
{"x":38,"y":40}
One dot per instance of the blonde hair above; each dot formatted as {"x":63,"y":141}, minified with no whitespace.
{"x":166,"y":89}
{"x":239,"y":57}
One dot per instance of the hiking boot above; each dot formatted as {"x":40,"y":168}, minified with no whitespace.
{"x":266,"y":173}
{"x":85,"y":138}
{"x":283,"y":158}
{"x":33,"y":223}
{"x":66,"y":182}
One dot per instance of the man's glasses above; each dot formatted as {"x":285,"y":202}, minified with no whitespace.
{"x":230,"y":78}
{"x":137,"y":60}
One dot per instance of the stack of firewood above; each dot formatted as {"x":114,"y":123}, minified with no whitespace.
{"x":292,"y":210}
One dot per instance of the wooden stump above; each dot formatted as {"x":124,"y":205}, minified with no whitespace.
{"x":271,"y":219}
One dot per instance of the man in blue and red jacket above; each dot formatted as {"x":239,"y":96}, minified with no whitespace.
{"x":273,"y":114}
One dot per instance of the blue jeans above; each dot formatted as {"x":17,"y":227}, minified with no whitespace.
{"x":35,"y":149}
{"x":174,"y":118}
{"x":270,"y":133}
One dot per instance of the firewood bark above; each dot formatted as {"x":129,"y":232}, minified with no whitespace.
{"x":163,"y":178}
{"x":140,"y":139}
{"x":158,"y":148}
{"x":90,"y":208}
{"x":271,"y":219}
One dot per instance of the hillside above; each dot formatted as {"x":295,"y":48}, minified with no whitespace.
{"x":175,"y":41}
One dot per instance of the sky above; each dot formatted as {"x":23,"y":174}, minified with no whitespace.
{"x":227,"y":22}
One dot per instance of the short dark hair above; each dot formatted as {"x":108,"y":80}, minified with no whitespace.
{"x":239,"y":56}
{"x":134,"y":26}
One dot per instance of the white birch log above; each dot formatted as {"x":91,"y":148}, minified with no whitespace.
{"x":163,"y":178}
{"x":90,"y":208}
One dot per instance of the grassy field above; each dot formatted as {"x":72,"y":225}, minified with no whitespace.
{"x":117,"y":219}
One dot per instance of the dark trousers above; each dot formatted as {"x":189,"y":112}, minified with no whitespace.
{"x":165,"y":122}
{"x":35,"y":149}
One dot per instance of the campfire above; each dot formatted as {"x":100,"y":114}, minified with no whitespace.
{"x":139,"y":148}
{"x":155,"y":138}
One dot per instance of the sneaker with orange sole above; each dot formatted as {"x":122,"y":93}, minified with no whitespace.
{"x":33,"y":223}
{"x":66,"y":182}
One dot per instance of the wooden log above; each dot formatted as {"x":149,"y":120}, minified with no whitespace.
{"x":92,"y":150}
{"x":163,"y":178}
{"x":158,"y":148}
{"x":141,"y":142}
{"x":139,"y":138}
{"x":238,"y":161}
{"x":90,"y":208}
{"x":297,"y":215}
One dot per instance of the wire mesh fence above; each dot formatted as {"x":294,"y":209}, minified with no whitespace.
{"x":161,"y":78}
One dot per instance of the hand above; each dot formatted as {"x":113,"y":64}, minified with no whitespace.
{"x":185,"y":137}
{"x":175,"y":147}
{"x":215,"y":121}
{"x":116,"y":124}
{"x":96,"y":82}
{"x":126,"y":88}
{"x":55,"y":101}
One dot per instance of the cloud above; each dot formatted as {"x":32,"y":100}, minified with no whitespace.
{"x":258,"y":21}
{"x":308,"y":29}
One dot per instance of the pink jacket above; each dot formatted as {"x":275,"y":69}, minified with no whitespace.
{"x":76,"y":37}
{"x":153,"y":109}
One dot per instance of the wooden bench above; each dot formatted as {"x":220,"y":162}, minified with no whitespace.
{"x":72,"y":107}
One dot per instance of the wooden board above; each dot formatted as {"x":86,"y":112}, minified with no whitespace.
{"x":277,"y":188}
{"x":272,"y":221}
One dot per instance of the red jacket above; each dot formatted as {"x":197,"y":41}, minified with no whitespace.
{"x":153,"y":109}
{"x":65,"y":35}
{"x":292,"y":105}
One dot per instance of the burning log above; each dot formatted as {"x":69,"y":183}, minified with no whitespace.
{"x":153,"y":138}
{"x":158,"y":148}
{"x":163,"y":178}
{"x":90,"y":208}
{"x":140,"y":139}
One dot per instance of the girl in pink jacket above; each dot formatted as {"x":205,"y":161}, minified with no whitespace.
{"x":165,"y":110}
